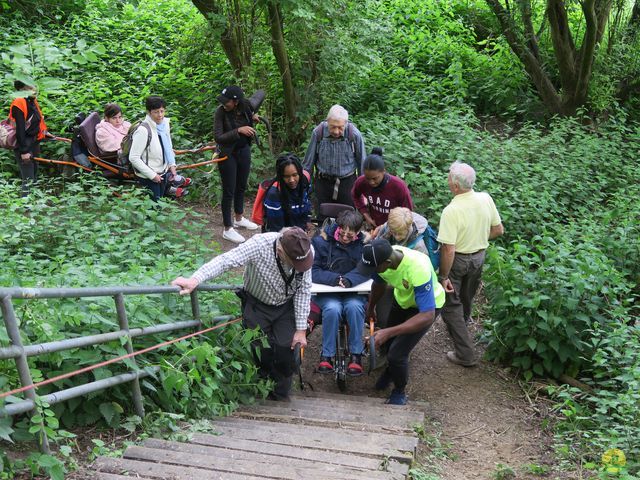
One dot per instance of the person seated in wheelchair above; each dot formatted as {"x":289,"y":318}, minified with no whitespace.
{"x":111,"y":130}
{"x":338,"y":250}
{"x":404,"y":228}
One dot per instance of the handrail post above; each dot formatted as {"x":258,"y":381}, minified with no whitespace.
{"x":195,"y":305}
{"x":124,"y":325}
{"x":22,"y":365}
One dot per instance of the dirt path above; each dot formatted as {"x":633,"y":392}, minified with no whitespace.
{"x":481,"y":424}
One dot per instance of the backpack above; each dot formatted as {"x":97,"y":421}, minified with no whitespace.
{"x":430,"y":237}
{"x":8,"y":133}
{"x":257,"y":214}
{"x":125,"y":147}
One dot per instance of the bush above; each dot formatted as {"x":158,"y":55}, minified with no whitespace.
{"x":67,"y":239}
{"x":545,"y":296}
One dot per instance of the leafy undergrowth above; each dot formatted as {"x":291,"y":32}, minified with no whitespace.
{"x":88,"y":234}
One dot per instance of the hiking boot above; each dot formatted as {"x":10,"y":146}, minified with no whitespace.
{"x":245,"y":223}
{"x":325,"y":365}
{"x":232,"y":236}
{"x":355,"y":366}
{"x":383,"y":381}
{"x":453,"y":358}
{"x":397,"y":398}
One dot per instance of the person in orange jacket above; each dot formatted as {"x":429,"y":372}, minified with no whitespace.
{"x":30,"y":130}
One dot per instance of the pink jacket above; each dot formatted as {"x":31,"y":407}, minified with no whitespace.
{"x":108,"y":137}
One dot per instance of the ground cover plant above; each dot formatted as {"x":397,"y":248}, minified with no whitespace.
{"x":83,"y":235}
{"x":423,"y":80}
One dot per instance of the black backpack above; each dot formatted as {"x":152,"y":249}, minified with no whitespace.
{"x":125,"y":147}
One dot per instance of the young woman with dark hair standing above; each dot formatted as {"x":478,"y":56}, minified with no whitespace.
{"x":376,"y":192}
{"x":233,"y":128}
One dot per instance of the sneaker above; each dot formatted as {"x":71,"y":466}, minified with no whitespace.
{"x":355,"y":366}
{"x":453,"y":358}
{"x":245,"y":223}
{"x":383,"y":381}
{"x":179,"y":181}
{"x":232,"y":236}
{"x":178,"y":192}
{"x":325,"y":365}
{"x":397,"y":398}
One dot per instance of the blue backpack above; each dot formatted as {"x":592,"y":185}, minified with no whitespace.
{"x":430,"y":237}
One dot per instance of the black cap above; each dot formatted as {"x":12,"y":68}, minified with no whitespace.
{"x":373,"y":255}
{"x":232,"y":92}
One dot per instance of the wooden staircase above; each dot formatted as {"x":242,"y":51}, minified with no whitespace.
{"x":313,"y":437}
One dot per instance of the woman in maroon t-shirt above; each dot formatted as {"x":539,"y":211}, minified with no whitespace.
{"x":376,"y":192}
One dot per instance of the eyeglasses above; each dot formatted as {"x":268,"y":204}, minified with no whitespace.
{"x":348,"y":234}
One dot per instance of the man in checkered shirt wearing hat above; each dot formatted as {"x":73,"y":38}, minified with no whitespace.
{"x":275,"y":297}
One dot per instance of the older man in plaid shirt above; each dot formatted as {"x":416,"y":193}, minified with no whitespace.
{"x":276,"y":296}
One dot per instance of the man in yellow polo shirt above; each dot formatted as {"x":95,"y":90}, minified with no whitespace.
{"x":466,"y":226}
{"x":417,"y":299}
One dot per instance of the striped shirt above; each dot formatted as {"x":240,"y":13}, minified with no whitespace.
{"x":336,"y":157}
{"x":262,"y":278}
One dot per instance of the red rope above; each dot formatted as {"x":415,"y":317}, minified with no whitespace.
{"x":113,"y":360}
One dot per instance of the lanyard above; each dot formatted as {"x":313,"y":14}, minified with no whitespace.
{"x":287,"y":281}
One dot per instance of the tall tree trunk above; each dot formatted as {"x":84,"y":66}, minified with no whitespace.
{"x":233,"y":39}
{"x":282,"y":59}
{"x":539,"y":78}
{"x":574,"y":66}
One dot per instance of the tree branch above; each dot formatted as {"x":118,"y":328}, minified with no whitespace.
{"x":587,"y":52}
{"x":563,"y":45}
{"x":530,"y":37}
{"x":533,"y":67}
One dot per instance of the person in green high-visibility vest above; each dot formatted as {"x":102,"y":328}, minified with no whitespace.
{"x":417,"y":299}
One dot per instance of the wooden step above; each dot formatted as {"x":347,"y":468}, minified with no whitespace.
{"x":245,"y":449}
{"x":375,"y":444}
{"x":313,"y":437}
{"x":256,"y":464}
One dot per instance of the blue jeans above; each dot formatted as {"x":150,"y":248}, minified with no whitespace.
{"x":349,"y":306}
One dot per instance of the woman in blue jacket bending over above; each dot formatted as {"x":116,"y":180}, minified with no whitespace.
{"x":287,"y":204}
{"x":337,"y":252}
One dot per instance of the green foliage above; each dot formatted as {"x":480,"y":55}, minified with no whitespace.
{"x":545,"y":296}
{"x":503,"y":472}
{"x":68,"y":240}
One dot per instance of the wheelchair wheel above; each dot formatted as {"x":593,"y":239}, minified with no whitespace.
{"x":342,"y":355}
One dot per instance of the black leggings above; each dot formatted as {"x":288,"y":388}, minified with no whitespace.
{"x":234,"y":173}
{"x":29,"y":168}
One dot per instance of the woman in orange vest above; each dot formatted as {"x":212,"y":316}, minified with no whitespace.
{"x":30,"y":129}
